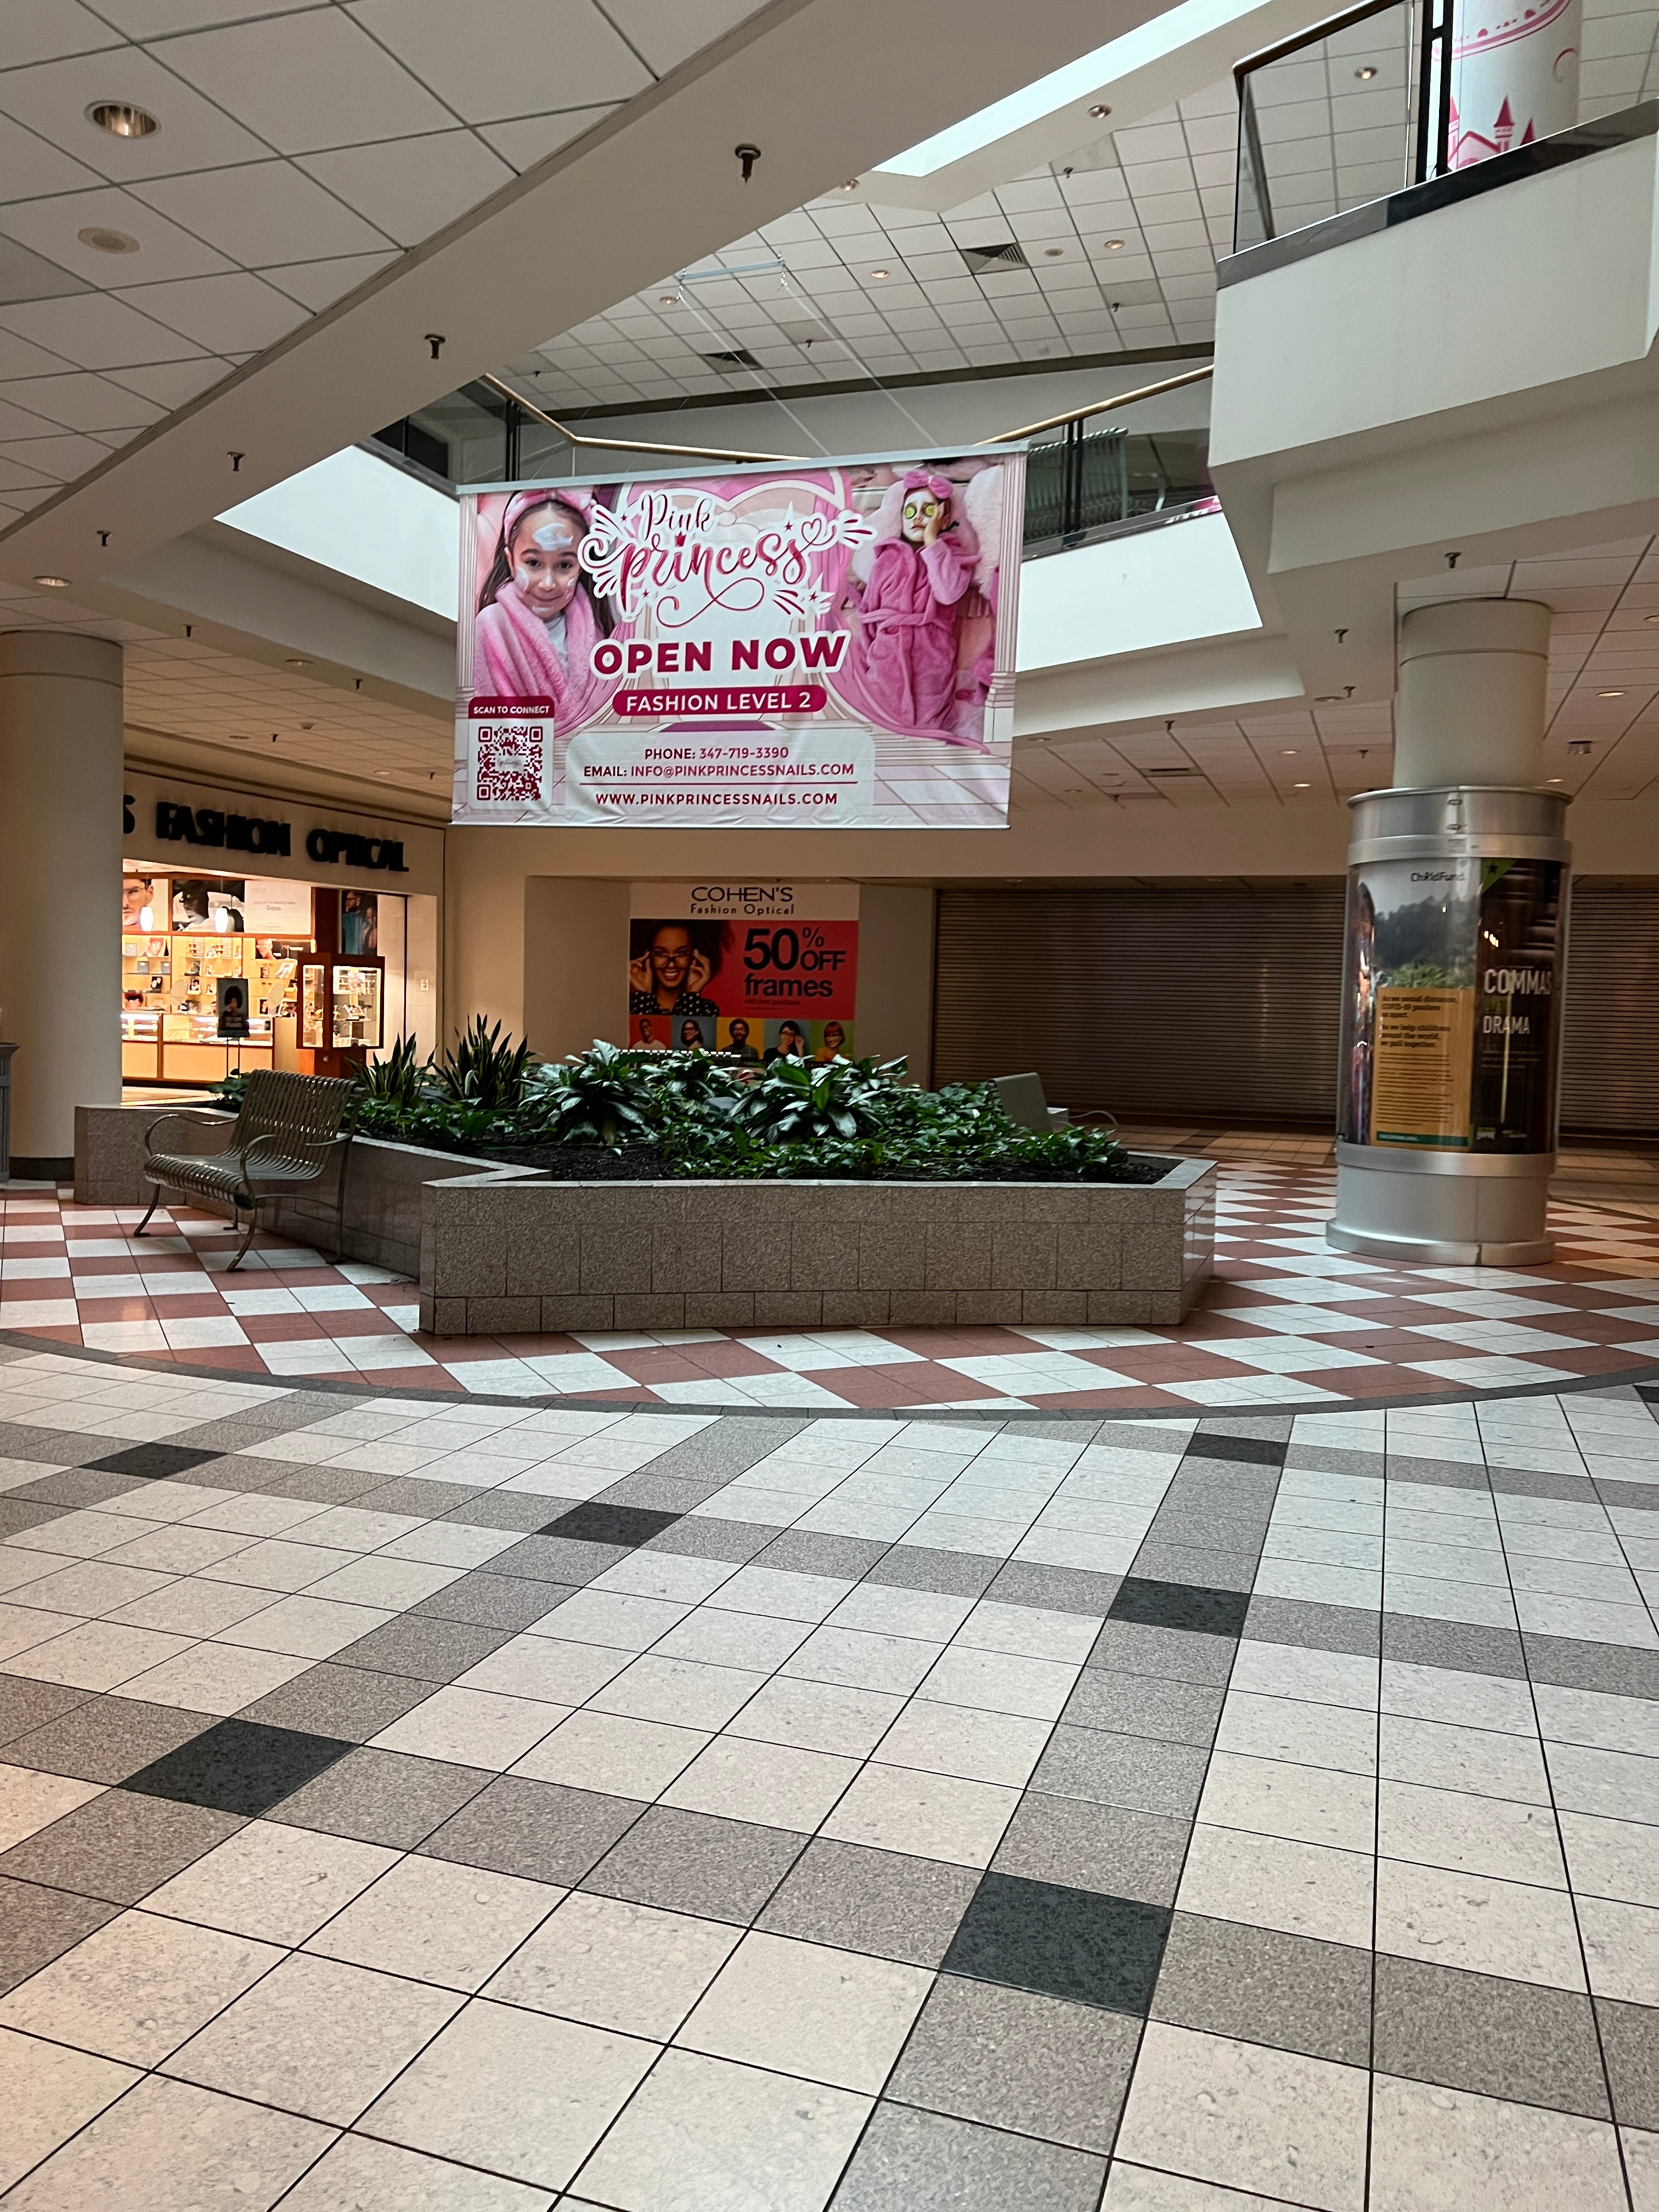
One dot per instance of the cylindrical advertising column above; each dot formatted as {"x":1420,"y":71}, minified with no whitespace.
{"x":1515,"y":76}
{"x":60,"y":886}
{"x":1451,"y":1023}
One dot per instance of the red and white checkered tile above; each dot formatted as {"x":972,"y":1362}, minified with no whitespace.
{"x":1286,"y":1322}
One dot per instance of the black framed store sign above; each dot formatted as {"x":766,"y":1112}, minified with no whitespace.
{"x":279,"y":835}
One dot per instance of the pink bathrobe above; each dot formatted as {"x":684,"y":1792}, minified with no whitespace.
{"x":904,"y":650}
{"x":513,"y":657}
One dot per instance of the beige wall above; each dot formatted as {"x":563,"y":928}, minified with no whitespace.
{"x":896,"y":975}
{"x":575,"y":953}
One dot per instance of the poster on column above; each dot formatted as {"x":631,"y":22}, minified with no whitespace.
{"x":827,"y":645}
{"x":758,"y":970}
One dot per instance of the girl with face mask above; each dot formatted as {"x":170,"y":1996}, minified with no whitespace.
{"x":538,"y":619}
{"x":904,"y":649}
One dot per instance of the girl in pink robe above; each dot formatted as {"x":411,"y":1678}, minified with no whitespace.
{"x":538,"y":620}
{"x":904,"y":649}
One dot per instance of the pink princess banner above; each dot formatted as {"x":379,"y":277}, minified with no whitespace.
{"x":829,"y":646}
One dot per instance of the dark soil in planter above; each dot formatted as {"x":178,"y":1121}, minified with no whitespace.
{"x":637,"y":1163}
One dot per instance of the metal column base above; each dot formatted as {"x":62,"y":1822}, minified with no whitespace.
{"x":1445,"y":1209}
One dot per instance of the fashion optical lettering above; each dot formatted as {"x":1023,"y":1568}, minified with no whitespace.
{"x":208,"y":825}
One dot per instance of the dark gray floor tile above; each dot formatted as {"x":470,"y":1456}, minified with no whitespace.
{"x":1524,"y":1482}
{"x":1181,"y":1655}
{"x":413,"y":1493}
{"x":16,"y":1516}
{"x":1133,"y":1770}
{"x":1151,"y":1602}
{"x":151,"y":1462}
{"x":952,"y":1574}
{"x":117,"y":1846}
{"x":350,"y":1703}
{"x":1619,"y":1670}
{"x":39,"y":1925}
{"x":702,"y":1536}
{"x":979,"y":2050}
{"x":52,"y":1447}
{"x":26,"y":1705}
{"x":540,"y":1830}
{"x":1071,"y":1943}
{"x":695,"y":1863}
{"x":728,"y":1447}
{"x":1050,"y":1429}
{"x":558,"y":1558}
{"x":256,"y":1425}
{"x":325,"y":1485}
{"x":75,"y":1485}
{"x":604,"y":1524}
{"x":1160,"y":1560}
{"x":1146,"y":1705}
{"x":1443,"y":1473}
{"x":488,"y":1600}
{"x":663,"y":1493}
{"x":1201,"y":1524}
{"x":382,"y":1797}
{"x":1630,"y":2042}
{"x":1351,"y":1628}
{"x":1250,"y":1439}
{"x":523,"y":1509}
{"x":1228,"y":1978}
{"x":239,"y":1766}
{"x":1056,"y":1589}
{"x":798,"y":1551}
{"x":1076,"y":1845}
{"x":106,"y":1739}
{"x":911,"y":2162}
{"x":430,"y":1651}
{"x":249,"y":1477}
{"x":1466,"y":1647}
{"x":884,"y":1904}
{"x":1495,"y":2036}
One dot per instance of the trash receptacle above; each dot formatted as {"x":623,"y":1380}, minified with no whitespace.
{"x":6,"y":1052}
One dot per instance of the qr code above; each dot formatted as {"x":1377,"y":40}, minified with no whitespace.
{"x":509,"y":762}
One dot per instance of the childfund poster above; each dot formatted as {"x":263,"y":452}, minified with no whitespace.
{"x":823,"y":645}
{"x":757,"y":969}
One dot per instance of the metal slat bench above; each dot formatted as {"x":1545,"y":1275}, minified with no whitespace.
{"x":286,"y":1131}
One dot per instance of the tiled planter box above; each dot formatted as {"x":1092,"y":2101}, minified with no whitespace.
{"x":501,"y":1248}
{"x":529,"y":1255}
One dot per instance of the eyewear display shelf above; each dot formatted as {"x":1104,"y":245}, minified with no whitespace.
{"x":170,"y":1004}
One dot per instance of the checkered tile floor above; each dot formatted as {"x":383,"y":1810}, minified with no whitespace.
{"x":1287,"y":1321}
{"x":479,"y":1808}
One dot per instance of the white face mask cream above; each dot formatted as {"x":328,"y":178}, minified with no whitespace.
{"x":554,"y":537}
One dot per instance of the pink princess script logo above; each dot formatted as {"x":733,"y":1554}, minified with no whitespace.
{"x":690,"y":557}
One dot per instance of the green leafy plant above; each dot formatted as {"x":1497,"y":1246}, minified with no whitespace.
{"x":398,"y":1080}
{"x":485,"y":1068}
{"x":598,"y":1097}
{"x":797,"y":1100}
{"x":228,"y":1094}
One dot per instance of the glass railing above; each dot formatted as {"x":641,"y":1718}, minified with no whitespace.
{"x":1345,"y":113}
{"x":1087,"y":481}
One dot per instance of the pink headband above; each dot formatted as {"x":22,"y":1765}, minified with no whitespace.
{"x":522,"y":501}
{"x":918,"y":480}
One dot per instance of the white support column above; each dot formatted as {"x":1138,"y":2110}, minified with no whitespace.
{"x":1473,"y":674}
{"x":60,"y":885}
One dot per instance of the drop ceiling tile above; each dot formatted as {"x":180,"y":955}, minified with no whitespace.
{"x":97,"y":331}
{"x":307,"y":80}
{"x":318,"y":284}
{"x":61,"y":457}
{"x":155,"y":19}
{"x":81,"y":402}
{"x":52,"y":99}
{"x":30,"y":168}
{"x":226,"y":314}
{"x":19,"y":358}
{"x":52,"y":227}
{"x":14,"y":478}
{"x":410,"y":187}
{"x":263,"y":213}
{"x":18,"y":420}
{"x":530,"y":55}
{"x":668,"y":32}
{"x":531,"y":138}
{"x":45,"y":30}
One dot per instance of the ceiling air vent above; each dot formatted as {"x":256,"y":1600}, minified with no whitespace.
{"x":734,"y":357}
{"x":983,"y":259}
{"x":1171,"y":771}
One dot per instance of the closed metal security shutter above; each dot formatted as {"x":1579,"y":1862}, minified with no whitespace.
{"x":1219,"y":1003}
{"x":1610,"y":1051}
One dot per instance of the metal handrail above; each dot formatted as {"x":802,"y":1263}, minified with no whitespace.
{"x":1311,"y":37}
{"x":1104,"y":406}
{"x":628,"y":444}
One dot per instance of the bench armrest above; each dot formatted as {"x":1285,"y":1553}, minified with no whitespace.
{"x":190,"y":1114}
{"x":277,"y":1149}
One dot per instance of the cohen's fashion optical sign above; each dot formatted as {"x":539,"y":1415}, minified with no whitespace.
{"x":178,"y":824}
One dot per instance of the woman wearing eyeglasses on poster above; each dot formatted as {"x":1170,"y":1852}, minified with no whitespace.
{"x":791,"y":1044}
{"x":670,"y":961}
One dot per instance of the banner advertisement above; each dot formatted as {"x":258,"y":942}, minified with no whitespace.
{"x":829,"y":646}
{"x":1451,"y":1010}
{"x":752,"y":970}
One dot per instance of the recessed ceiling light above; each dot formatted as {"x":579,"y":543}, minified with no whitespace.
{"x":1053,"y":252}
{"x":294,"y":660}
{"x":1288,"y":752}
{"x":668,"y":299}
{"x":1610,"y":694}
{"x":1327,"y":699}
{"x":1115,"y":246}
{"x":1301,"y":787}
{"x":1652,"y":618}
{"x":1557,"y":778}
{"x":1099,"y":112}
{"x":121,"y":119}
{"x":54,"y":583}
{"x":240,"y":738}
{"x":106,"y":241}
{"x":879,"y":273}
{"x":851,"y":186}
{"x":1366,"y":74}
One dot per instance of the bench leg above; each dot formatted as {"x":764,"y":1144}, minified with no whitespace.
{"x":247,"y":1237}
{"x":156,"y":1200}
